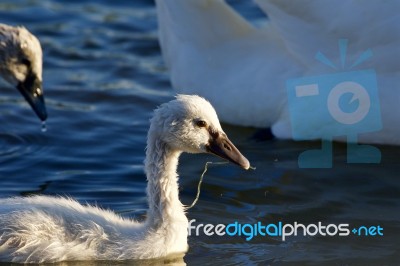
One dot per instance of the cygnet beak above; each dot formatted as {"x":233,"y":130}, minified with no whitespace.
{"x":31,"y":89}
{"x":220,"y":145}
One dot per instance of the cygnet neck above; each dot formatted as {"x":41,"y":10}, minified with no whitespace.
{"x":166,"y":212}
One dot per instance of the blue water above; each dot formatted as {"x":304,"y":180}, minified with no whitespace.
{"x":103,"y":76}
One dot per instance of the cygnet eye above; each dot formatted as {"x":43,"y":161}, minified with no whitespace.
{"x":26,"y":62}
{"x":201,"y":123}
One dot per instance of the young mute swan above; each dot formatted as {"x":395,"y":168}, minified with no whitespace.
{"x":21,"y":65}
{"x":49,"y":229}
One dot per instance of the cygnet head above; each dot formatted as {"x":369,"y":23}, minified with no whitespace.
{"x":21,"y":65}
{"x":190,"y":124}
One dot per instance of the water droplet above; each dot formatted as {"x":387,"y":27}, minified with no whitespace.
{"x":44,"y":127}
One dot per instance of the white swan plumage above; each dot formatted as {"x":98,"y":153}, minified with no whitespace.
{"x":21,"y":65}
{"x":212,"y":51}
{"x":50,"y":229}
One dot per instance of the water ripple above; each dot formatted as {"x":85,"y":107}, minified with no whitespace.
{"x":13,"y":145}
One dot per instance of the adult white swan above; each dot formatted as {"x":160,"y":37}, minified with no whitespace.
{"x":212,"y":51}
{"x":49,"y":229}
{"x":21,"y":65}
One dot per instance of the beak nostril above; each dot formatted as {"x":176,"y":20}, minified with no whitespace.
{"x":226,"y":146}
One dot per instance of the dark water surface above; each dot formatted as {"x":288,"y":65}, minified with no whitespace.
{"x":103,"y":76}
